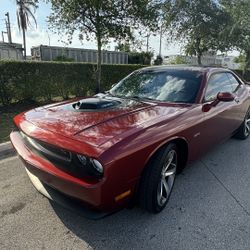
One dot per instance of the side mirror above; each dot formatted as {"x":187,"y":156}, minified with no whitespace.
{"x":221,"y":97}
{"x":225,"y":97}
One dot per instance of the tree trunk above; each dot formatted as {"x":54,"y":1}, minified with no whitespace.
{"x":24,"y":44}
{"x":247,"y":64}
{"x":198,"y":50}
{"x":199,"y":59}
{"x":99,"y":64}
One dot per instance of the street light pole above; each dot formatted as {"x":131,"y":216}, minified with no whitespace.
{"x":8,"y":27}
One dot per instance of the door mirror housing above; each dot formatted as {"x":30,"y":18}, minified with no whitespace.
{"x":221,"y":97}
{"x":225,"y":97}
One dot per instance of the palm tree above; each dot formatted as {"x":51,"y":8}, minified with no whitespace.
{"x":23,"y":17}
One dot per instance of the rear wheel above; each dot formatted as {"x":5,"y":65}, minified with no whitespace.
{"x":158,"y":179}
{"x":244,"y":130}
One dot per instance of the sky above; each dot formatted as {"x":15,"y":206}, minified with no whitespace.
{"x":42,"y":34}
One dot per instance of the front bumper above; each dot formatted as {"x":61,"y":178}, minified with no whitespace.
{"x":63,"y":200}
{"x":88,"y":193}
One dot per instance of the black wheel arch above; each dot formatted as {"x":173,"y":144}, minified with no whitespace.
{"x":182,"y":146}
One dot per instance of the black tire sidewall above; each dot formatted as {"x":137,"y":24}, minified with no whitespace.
{"x":157,"y":208}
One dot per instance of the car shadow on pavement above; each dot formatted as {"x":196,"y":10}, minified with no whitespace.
{"x":200,"y":214}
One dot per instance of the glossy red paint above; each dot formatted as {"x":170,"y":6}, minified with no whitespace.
{"x":123,"y":140}
{"x":225,"y":97}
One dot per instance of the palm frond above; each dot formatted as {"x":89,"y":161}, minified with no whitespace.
{"x":24,"y":13}
{"x":28,"y":11}
{"x":18,"y":20}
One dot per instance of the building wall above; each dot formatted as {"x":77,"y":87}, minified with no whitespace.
{"x":228,"y":62}
{"x":11,"y":51}
{"x":206,"y":60}
{"x":50,"y":53}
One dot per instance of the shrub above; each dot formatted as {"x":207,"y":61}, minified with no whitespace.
{"x":143,"y":58}
{"x":246,"y":77}
{"x":34,"y":81}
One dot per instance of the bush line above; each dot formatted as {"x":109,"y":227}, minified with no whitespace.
{"x":35,"y":81}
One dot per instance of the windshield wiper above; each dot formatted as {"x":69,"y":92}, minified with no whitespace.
{"x":108,"y":92}
{"x":141,"y":98}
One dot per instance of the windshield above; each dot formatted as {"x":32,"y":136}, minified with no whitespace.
{"x":167,"y":86}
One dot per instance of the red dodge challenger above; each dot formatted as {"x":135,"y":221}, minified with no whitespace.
{"x":102,"y":153}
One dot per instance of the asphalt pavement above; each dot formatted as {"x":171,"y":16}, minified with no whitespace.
{"x":209,"y":209}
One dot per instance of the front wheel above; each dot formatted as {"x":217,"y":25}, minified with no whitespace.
{"x":244,"y":130}
{"x":158,"y":179}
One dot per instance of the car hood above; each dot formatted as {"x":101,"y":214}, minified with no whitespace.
{"x":101,"y":119}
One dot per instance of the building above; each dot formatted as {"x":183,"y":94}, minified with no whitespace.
{"x":11,"y":51}
{"x":207,"y":59}
{"x":51,"y":53}
{"x":228,"y":61}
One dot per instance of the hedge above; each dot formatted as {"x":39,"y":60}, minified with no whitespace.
{"x":246,"y":76}
{"x":34,"y":81}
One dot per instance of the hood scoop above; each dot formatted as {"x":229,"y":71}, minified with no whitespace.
{"x":95,"y":104}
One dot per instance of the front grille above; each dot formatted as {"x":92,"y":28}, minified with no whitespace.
{"x":62,"y":159}
{"x":47,"y":150}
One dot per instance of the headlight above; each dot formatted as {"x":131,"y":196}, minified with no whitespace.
{"x":98,"y":166}
{"x":82,"y":159}
{"x":92,"y":166}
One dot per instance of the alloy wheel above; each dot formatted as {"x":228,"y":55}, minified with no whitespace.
{"x":247,"y":124}
{"x":167,"y":178}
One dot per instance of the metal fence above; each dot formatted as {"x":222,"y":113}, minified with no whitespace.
{"x":51,"y":53}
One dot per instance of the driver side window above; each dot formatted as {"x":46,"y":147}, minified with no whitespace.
{"x":218,"y":82}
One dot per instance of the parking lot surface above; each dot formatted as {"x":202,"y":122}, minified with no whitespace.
{"x":209,"y":209}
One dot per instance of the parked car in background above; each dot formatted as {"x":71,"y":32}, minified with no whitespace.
{"x":128,"y":144}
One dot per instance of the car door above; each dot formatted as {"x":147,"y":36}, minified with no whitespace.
{"x":221,"y":120}
{"x":241,"y":97}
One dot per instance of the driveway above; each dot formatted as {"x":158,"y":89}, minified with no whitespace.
{"x":209,"y":209}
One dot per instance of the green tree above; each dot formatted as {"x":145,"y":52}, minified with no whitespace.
{"x":102,"y":20}
{"x":197,"y":24}
{"x":24,"y":13}
{"x":143,"y":58}
{"x":178,"y":60}
{"x":240,"y":59}
{"x":123,"y":46}
{"x":158,"y":60}
{"x":237,"y":33}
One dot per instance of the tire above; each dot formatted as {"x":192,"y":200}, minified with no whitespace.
{"x":154,"y":192}
{"x":244,"y":130}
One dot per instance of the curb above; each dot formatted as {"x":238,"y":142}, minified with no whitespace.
{"x":6,"y":150}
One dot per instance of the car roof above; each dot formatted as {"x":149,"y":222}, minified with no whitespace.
{"x":203,"y":69}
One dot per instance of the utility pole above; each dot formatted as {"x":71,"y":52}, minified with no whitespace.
{"x":3,"y":32}
{"x":147,"y":42}
{"x":160,"y":41}
{"x":8,"y":27}
{"x":48,"y":36}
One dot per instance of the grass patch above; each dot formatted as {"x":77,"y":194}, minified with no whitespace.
{"x":7,"y":113}
{"x":6,"y":118}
